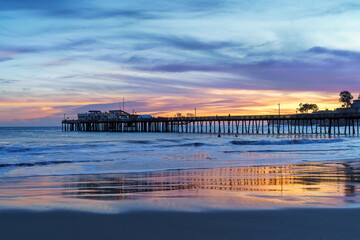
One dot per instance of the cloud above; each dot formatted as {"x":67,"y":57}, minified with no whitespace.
{"x":144,"y":84}
{"x":54,"y":63}
{"x":190,"y":43}
{"x":185,"y":67}
{"x":77,"y":10}
{"x":104,"y":107}
{"x":4,"y":59}
{"x":305,"y":71}
{"x":148,"y":49}
{"x":102,"y":14}
{"x":342,"y":8}
{"x":154,"y":106}
{"x":52,"y":121}
{"x":335,"y":52}
{"x":31,"y":5}
{"x":6,"y":81}
{"x":172,"y":50}
{"x":75,"y":44}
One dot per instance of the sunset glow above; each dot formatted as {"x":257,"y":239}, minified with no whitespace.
{"x":222,"y":58}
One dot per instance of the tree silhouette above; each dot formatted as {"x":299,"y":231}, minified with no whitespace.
{"x":345,"y":97}
{"x":306,"y":107}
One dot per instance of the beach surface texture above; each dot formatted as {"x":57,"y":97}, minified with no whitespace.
{"x":66,"y":185}
{"x":296,"y":224}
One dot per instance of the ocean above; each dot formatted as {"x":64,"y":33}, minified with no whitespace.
{"x":34,"y":151}
{"x":43,"y":168}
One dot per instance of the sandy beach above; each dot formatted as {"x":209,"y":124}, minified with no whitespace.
{"x":296,"y":224}
{"x":300,"y":201}
{"x":314,"y":184}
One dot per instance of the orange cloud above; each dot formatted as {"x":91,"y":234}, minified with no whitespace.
{"x":46,"y":108}
{"x":208,"y":102}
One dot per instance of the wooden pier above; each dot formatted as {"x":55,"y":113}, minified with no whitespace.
{"x":329,"y":123}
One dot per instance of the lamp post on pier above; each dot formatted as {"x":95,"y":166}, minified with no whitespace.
{"x":195,"y":112}
{"x":279,"y":108}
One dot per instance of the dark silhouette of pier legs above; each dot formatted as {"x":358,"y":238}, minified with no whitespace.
{"x":311,"y":124}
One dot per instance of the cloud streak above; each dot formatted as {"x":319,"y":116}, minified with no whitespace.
{"x":7,"y":81}
{"x":336,"y":53}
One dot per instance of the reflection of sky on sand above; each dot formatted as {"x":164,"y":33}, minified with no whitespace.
{"x":303,"y":185}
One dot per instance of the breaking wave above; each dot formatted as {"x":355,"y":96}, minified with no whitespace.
{"x":194,"y":144}
{"x":139,"y":141}
{"x":286,"y":142}
{"x":39,"y":151}
{"x":23,"y":149}
{"x":32,"y":164}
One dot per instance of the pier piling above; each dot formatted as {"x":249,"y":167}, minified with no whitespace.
{"x":330,"y":124}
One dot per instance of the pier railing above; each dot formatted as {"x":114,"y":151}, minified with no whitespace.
{"x":326,"y":123}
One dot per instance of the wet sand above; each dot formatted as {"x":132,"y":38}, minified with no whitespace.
{"x":302,"y":201}
{"x":262,"y":187}
{"x":295,"y":224}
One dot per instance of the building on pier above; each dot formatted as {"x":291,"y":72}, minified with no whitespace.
{"x":105,"y":116}
{"x":120,"y":114}
{"x":92,"y":115}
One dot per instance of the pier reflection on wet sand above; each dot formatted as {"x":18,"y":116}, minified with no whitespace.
{"x":310,"y":184}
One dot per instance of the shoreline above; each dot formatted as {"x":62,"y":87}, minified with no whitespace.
{"x":311,"y":184}
{"x":144,"y":171}
{"x":309,"y":223}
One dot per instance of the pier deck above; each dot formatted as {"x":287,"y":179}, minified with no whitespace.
{"x":329,"y":123}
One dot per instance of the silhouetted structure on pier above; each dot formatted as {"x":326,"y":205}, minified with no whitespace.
{"x":329,"y":123}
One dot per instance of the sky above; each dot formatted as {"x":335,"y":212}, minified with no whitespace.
{"x":220,"y":57}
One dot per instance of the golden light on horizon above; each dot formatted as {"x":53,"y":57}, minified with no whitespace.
{"x":209,"y":102}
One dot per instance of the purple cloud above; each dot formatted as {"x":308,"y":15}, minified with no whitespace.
{"x":336,"y":53}
{"x":305,"y":72}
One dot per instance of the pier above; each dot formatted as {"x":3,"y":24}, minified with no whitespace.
{"x":329,"y":123}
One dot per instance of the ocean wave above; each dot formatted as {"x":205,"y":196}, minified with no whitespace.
{"x":21,"y":149}
{"x":170,"y":140}
{"x":33,"y":164}
{"x":139,"y":141}
{"x":301,"y":151}
{"x":193,"y":144}
{"x":79,"y":146}
{"x":286,"y":142}
{"x":15,"y":149}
